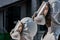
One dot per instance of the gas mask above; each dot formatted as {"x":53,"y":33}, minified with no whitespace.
{"x":40,"y":18}
{"x":29,"y":29}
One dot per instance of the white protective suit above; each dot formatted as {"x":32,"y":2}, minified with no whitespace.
{"x":29,"y":30}
{"x":55,"y":16}
{"x":49,"y":35}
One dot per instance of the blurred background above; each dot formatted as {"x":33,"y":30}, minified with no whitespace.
{"x":13,"y":10}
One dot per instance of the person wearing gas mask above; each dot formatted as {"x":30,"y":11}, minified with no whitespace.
{"x":44,"y":18}
{"x":55,"y":17}
{"x":24,"y":29}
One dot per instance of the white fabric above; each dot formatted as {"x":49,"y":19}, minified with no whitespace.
{"x":55,"y":14}
{"x":40,"y":18}
{"x":55,"y":10}
{"x":51,"y":1}
{"x":30,"y":27}
{"x":17,"y":25}
{"x":49,"y":36}
{"x":29,"y":30}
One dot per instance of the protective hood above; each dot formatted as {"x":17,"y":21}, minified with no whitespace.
{"x":55,"y":10}
{"x":29,"y":30}
{"x":30,"y":27}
